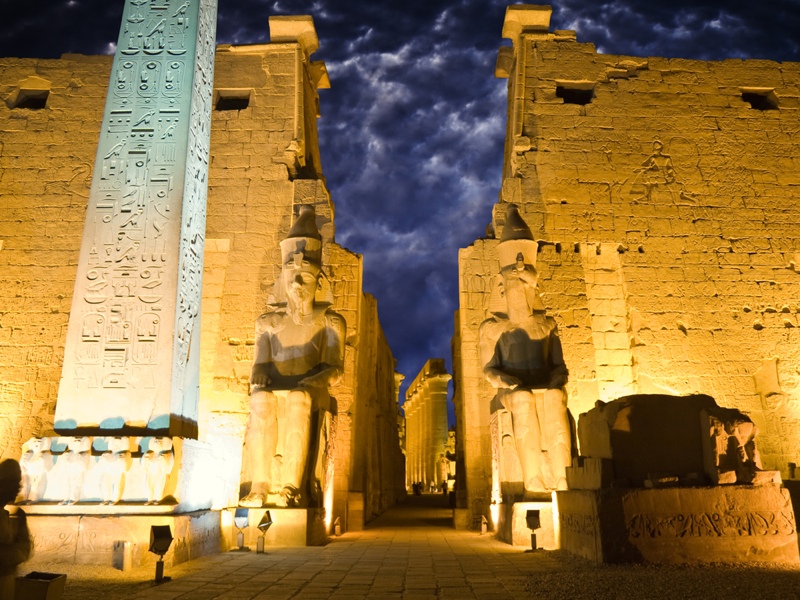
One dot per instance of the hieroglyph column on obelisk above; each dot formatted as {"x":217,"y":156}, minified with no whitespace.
{"x":131,"y":362}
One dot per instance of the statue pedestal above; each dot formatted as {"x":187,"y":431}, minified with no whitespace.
{"x":730,"y":523}
{"x":98,"y":540}
{"x":296,"y":527}
{"x":512,"y":527}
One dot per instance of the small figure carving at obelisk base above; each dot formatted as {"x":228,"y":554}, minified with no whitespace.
{"x":522,"y":358}
{"x":299,"y":352}
{"x":36,"y":461}
{"x":158,"y":462}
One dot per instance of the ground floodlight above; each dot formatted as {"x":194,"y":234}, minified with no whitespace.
{"x":160,"y":541}
{"x":241,"y":519}
{"x":264,"y":524}
{"x":534,"y":522}
{"x":337,"y":527}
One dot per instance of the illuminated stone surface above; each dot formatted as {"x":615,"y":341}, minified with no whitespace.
{"x":522,"y":359}
{"x":115,"y":475}
{"x":679,"y":525}
{"x":513,"y":529}
{"x":87,"y":539}
{"x":290,"y":527}
{"x":689,"y":438}
{"x":299,"y":352}
{"x":131,"y":360}
{"x":265,"y":162}
{"x":665,"y":206}
{"x":425,"y":411}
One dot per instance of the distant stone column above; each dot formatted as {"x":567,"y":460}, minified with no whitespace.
{"x":131,"y":362}
{"x":408,"y":408}
{"x":437,"y":402}
{"x":426,"y":400}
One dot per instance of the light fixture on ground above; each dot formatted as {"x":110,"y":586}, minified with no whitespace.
{"x":263,"y":525}
{"x":533,"y":521}
{"x":241,"y":519}
{"x":484,"y":524}
{"x":337,"y":527}
{"x":160,"y":541}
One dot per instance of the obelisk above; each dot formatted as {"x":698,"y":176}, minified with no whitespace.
{"x":131,"y":361}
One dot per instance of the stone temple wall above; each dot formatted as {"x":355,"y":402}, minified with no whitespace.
{"x":264,"y":163}
{"x":665,"y":195}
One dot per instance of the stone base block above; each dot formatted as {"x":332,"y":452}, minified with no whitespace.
{"x":355,"y":511}
{"x":680,"y":525}
{"x":97,"y":540}
{"x":590,"y":473}
{"x":461,"y":519}
{"x":512,"y":526}
{"x":290,"y":527}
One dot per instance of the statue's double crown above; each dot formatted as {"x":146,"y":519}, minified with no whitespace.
{"x":516,"y":240}
{"x":304,"y":242}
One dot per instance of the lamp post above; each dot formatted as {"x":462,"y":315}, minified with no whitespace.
{"x":533,"y":522}
{"x":263,"y":525}
{"x":241,"y":518}
{"x":160,"y":541}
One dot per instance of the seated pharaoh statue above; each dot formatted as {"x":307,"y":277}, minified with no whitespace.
{"x":522,"y":359}
{"x":299,"y":352}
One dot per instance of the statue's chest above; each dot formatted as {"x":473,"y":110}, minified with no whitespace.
{"x":296,"y":341}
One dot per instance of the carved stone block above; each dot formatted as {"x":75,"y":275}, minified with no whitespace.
{"x":657,"y":438}
{"x":513,"y":529}
{"x":680,"y":525}
{"x":294,"y":527}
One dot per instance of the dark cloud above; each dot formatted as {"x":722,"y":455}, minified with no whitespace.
{"x":412,"y":129}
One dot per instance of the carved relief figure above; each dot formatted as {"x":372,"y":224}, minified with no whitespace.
{"x":522,"y":358}
{"x":299,"y":352}
{"x":733,"y":448}
{"x":35,"y":462}
{"x":78,"y":459}
{"x":158,"y":462}
{"x":113,"y":465}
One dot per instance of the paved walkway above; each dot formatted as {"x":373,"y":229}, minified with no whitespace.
{"x":412,"y":553}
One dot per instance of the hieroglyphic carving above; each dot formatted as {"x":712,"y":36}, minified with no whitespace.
{"x":578,"y":524}
{"x":137,"y":291}
{"x":712,"y":524}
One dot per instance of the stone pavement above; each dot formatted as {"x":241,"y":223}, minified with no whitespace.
{"x":409,"y":552}
{"x":412,"y":553}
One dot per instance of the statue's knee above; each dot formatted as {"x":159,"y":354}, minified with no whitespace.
{"x":260,"y":403}
{"x":300,"y":400}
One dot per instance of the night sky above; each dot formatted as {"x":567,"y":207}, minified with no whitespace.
{"x":412,"y":128}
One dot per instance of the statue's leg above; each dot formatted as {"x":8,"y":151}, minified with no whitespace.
{"x":556,"y":435}
{"x":528,"y":438}
{"x":298,"y":435}
{"x":260,"y":440}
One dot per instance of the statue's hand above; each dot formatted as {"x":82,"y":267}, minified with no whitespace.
{"x":259,"y":377}
{"x":318,"y":380}
{"x":509,"y":381}
{"x":498,"y":379}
